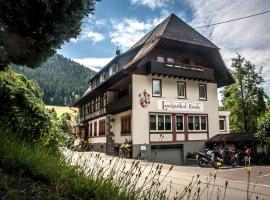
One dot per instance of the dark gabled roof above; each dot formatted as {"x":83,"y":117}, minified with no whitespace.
{"x":172,"y":28}
{"x":233,"y":137}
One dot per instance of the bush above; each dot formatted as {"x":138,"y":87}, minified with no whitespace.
{"x":263,"y":129}
{"x":23,"y":112}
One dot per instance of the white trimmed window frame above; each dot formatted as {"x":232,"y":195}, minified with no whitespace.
{"x":156,"y":130}
{"x":200,"y":123}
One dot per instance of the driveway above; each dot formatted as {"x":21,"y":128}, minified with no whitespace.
{"x":180,"y":176}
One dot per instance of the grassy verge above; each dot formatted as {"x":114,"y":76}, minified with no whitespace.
{"x":35,"y":161}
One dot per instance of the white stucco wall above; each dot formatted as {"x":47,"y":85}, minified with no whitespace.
{"x":225,"y":114}
{"x":140,"y":116}
{"x":116,"y":127}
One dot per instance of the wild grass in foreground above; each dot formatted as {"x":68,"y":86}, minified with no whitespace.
{"x":148,"y":180}
{"x":18,"y":157}
{"x":96,"y":177}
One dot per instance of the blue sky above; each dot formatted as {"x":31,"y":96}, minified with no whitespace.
{"x":123,"y":22}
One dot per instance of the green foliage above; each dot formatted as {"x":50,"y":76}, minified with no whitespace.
{"x":38,"y":162}
{"x":263,"y":128}
{"x":62,"y":80}
{"x":245,"y":99}
{"x":32,"y":31}
{"x":23,"y":114}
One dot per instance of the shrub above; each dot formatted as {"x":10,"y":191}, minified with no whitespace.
{"x":23,"y":112}
{"x":263,"y":129}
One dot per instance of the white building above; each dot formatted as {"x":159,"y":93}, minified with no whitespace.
{"x":161,"y":93}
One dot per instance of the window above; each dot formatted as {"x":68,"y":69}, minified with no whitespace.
{"x":222,"y":125}
{"x":93,"y":106}
{"x":153,"y":122}
{"x":179,"y":123}
{"x":102,"y":127}
{"x":90,"y":131}
{"x":95,"y":128}
{"x":160,"y":59}
{"x":160,"y":123}
{"x":202,"y":92}
{"x":126,"y":125}
{"x":197,"y":123}
{"x":104,"y":100}
{"x":181,"y":89}
{"x":170,"y":60}
{"x":114,"y":68}
{"x":156,"y":88}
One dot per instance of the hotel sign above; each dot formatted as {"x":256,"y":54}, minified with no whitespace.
{"x":180,"y":106}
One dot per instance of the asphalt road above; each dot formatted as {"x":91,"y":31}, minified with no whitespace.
{"x":180,"y":176}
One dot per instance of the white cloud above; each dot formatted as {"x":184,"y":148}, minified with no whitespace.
{"x":249,"y":37}
{"x":90,"y":35}
{"x":94,"y":36}
{"x":93,"y":63}
{"x":153,"y":4}
{"x":127,"y":32}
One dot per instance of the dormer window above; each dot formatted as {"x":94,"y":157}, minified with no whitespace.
{"x":170,"y":60}
{"x":160,"y":59}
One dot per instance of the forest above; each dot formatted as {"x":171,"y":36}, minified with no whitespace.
{"x":61,"y":80}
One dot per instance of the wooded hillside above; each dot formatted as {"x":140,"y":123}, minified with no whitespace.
{"x":61,"y":79}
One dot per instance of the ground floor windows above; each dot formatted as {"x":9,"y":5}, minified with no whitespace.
{"x":197,"y":123}
{"x":179,"y":123}
{"x":160,"y":123}
{"x":168,"y":123}
{"x":126,"y":125}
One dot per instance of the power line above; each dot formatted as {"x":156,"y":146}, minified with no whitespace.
{"x":231,"y":20}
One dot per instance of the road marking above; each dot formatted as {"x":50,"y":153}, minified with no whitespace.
{"x":244,"y":182}
{"x":263,"y":175}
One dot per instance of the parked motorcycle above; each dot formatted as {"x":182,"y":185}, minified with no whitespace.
{"x":225,"y":157}
{"x":205,"y":158}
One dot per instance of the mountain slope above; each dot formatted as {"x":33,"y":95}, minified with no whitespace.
{"x":61,"y":79}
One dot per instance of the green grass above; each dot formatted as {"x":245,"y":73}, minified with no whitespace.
{"x":40,"y":164}
{"x":65,"y":109}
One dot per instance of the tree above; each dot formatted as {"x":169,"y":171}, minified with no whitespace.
{"x":245,"y":99}
{"x":263,"y":129}
{"x":32,"y":31}
{"x":23,"y":113}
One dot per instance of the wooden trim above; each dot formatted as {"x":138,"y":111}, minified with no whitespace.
{"x":98,"y":136}
{"x":185,"y":97}
{"x":186,"y":126}
{"x":160,"y":80}
{"x":174,"y":127}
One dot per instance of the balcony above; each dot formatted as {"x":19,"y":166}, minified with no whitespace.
{"x":180,"y":70}
{"x":120,"y":105}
